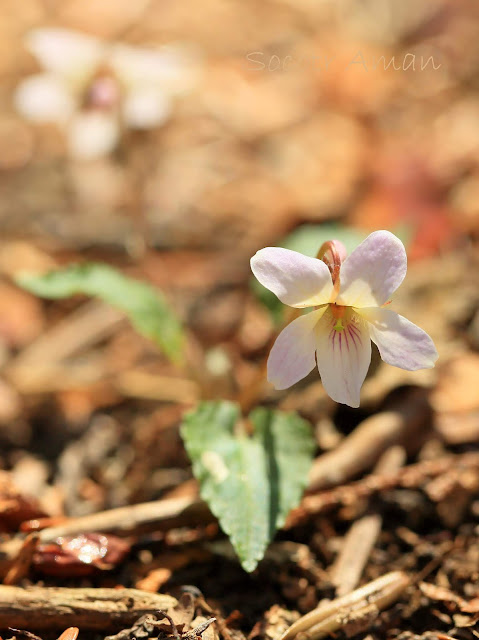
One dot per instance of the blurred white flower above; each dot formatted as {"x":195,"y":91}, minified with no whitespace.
{"x":42,"y":98}
{"x":92,"y":88}
{"x":92,"y":134}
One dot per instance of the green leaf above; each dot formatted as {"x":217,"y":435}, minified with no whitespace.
{"x":250,"y":483}
{"x":146,"y":307}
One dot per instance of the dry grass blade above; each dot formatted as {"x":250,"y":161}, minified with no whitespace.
{"x":330,"y":617}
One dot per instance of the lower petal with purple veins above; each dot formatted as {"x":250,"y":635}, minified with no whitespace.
{"x":343,"y":355}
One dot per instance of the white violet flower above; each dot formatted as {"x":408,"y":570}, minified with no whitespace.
{"x":92,"y":88}
{"x":348,"y":295}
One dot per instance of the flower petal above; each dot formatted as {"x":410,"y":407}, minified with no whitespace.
{"x":297,"y":280}
{"x":146,"y":108}
{"x":373,"y":271}
{"x":343,"y":357}
{"x":69,"y":53}
{"x":44,"y":98}
{"x":292,"y":355}
{"x":92,"y":134}
{"x":400,"y":342}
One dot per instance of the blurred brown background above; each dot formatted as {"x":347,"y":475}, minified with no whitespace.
{"x":364,"y":111}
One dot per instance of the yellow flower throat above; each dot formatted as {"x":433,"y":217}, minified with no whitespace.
{"x":338,"y":312}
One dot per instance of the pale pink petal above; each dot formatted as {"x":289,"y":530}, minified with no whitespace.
{"x":373,"y":271}
{"x":400,"y":342}
{"x":44,"y":98}
{"x":343,"y":357}
{"x":92,"y":134}
{"x":69,"y":53}
{"x":172,"y":68}
{"x":297,"y":280}
{"x":292,"y":355}
{"x":145,"y":108}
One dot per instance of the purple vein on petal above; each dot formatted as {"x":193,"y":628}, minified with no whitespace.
{"x":332,"y":336}
{"x":353,"y":328}
{"x":354,"y":335}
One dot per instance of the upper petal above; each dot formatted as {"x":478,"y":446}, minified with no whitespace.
{"x":292,"y":355}
{"x":373,"y":271}
{"x":297,"y":280}
{"x":44,"y":98}
{"x":400,"y":342}
{"x":343,"y":357}
{"x":70,"y":53}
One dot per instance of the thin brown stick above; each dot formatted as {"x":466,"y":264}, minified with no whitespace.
{"x":415,"y":475}
{"x":134,"y":519}
{"x":46,"y":608}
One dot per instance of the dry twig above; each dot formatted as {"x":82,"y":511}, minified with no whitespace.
{"x":99,"y":609}
{"x":134,"y":519}
{"x":414,"y":475}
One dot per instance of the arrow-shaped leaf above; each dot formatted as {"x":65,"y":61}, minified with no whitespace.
{"x":250,"y":483}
